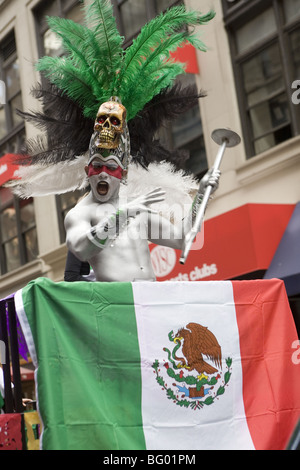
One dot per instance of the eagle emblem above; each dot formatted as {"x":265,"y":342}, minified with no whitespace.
{"x":192,"y":375}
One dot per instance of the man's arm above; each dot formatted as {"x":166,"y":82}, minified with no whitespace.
{"x":77,"y":240}
{"x":162,"y":232}
{"x":86,"y":240}
{"x":75,"y":268}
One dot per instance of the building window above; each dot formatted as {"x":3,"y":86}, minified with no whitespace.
{"x":49,"y":44}
{"x":131,"y":15}
{"x":187,"y":133}
{"x":265,"y":45}
{"x":12,"y":129}
{"x":18,"y":238}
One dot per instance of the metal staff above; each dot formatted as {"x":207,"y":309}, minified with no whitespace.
{"x":225,"y":138}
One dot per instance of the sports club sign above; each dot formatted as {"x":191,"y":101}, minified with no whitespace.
{"x":237,"y":242}
{"x":165,"y":260}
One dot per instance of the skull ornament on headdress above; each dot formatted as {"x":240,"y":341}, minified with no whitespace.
{"x":111,"y":136}
{"x":110,"y":123}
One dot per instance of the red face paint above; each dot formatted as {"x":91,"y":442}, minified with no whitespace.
{"x":115,"y":172}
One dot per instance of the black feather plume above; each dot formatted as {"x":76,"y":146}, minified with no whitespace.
{"x":161,"y":110}
{"x":168,"y":105}
{"x":65,"y":131}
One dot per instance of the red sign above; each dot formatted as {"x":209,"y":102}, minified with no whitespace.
{"x":7,"y":168}
{"x":187,"y":54}
{"x":237,"y":242}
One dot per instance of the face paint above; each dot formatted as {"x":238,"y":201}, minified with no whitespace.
{"x":104,"y":178}
{"x":116,"y":172}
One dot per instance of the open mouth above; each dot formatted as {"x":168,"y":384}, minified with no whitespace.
{"x":102,"y":188}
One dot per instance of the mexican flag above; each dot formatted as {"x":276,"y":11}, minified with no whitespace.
{"x":162,"y":365}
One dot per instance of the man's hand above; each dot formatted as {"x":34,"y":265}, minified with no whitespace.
{"x":142,"y":203}
{"x":211,"y":178}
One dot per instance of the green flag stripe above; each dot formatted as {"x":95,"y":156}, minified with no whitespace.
{"x":88,"y":353}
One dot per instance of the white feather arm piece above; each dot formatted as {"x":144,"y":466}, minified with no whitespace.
{"x":179,"y":187}
{"x":41,"y":180}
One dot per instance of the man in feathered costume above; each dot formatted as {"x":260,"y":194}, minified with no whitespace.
{"x":130,"y":94}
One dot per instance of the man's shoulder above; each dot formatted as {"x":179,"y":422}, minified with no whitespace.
{"x":78,"y":212}
{"x":87,"y":209}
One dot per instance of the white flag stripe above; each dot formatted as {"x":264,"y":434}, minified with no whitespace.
{"x":161,"y":308}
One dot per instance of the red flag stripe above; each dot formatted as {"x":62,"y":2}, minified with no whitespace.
{"x":271,"y":378}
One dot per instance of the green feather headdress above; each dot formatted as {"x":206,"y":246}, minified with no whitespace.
{"x":96,"y":67}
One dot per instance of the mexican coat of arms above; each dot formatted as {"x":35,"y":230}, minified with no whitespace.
{"x":188,"y":378}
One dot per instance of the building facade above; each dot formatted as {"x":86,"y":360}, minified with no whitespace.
{"x":251,"y":74}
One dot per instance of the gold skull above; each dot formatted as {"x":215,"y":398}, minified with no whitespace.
{"x":109,"y":124}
